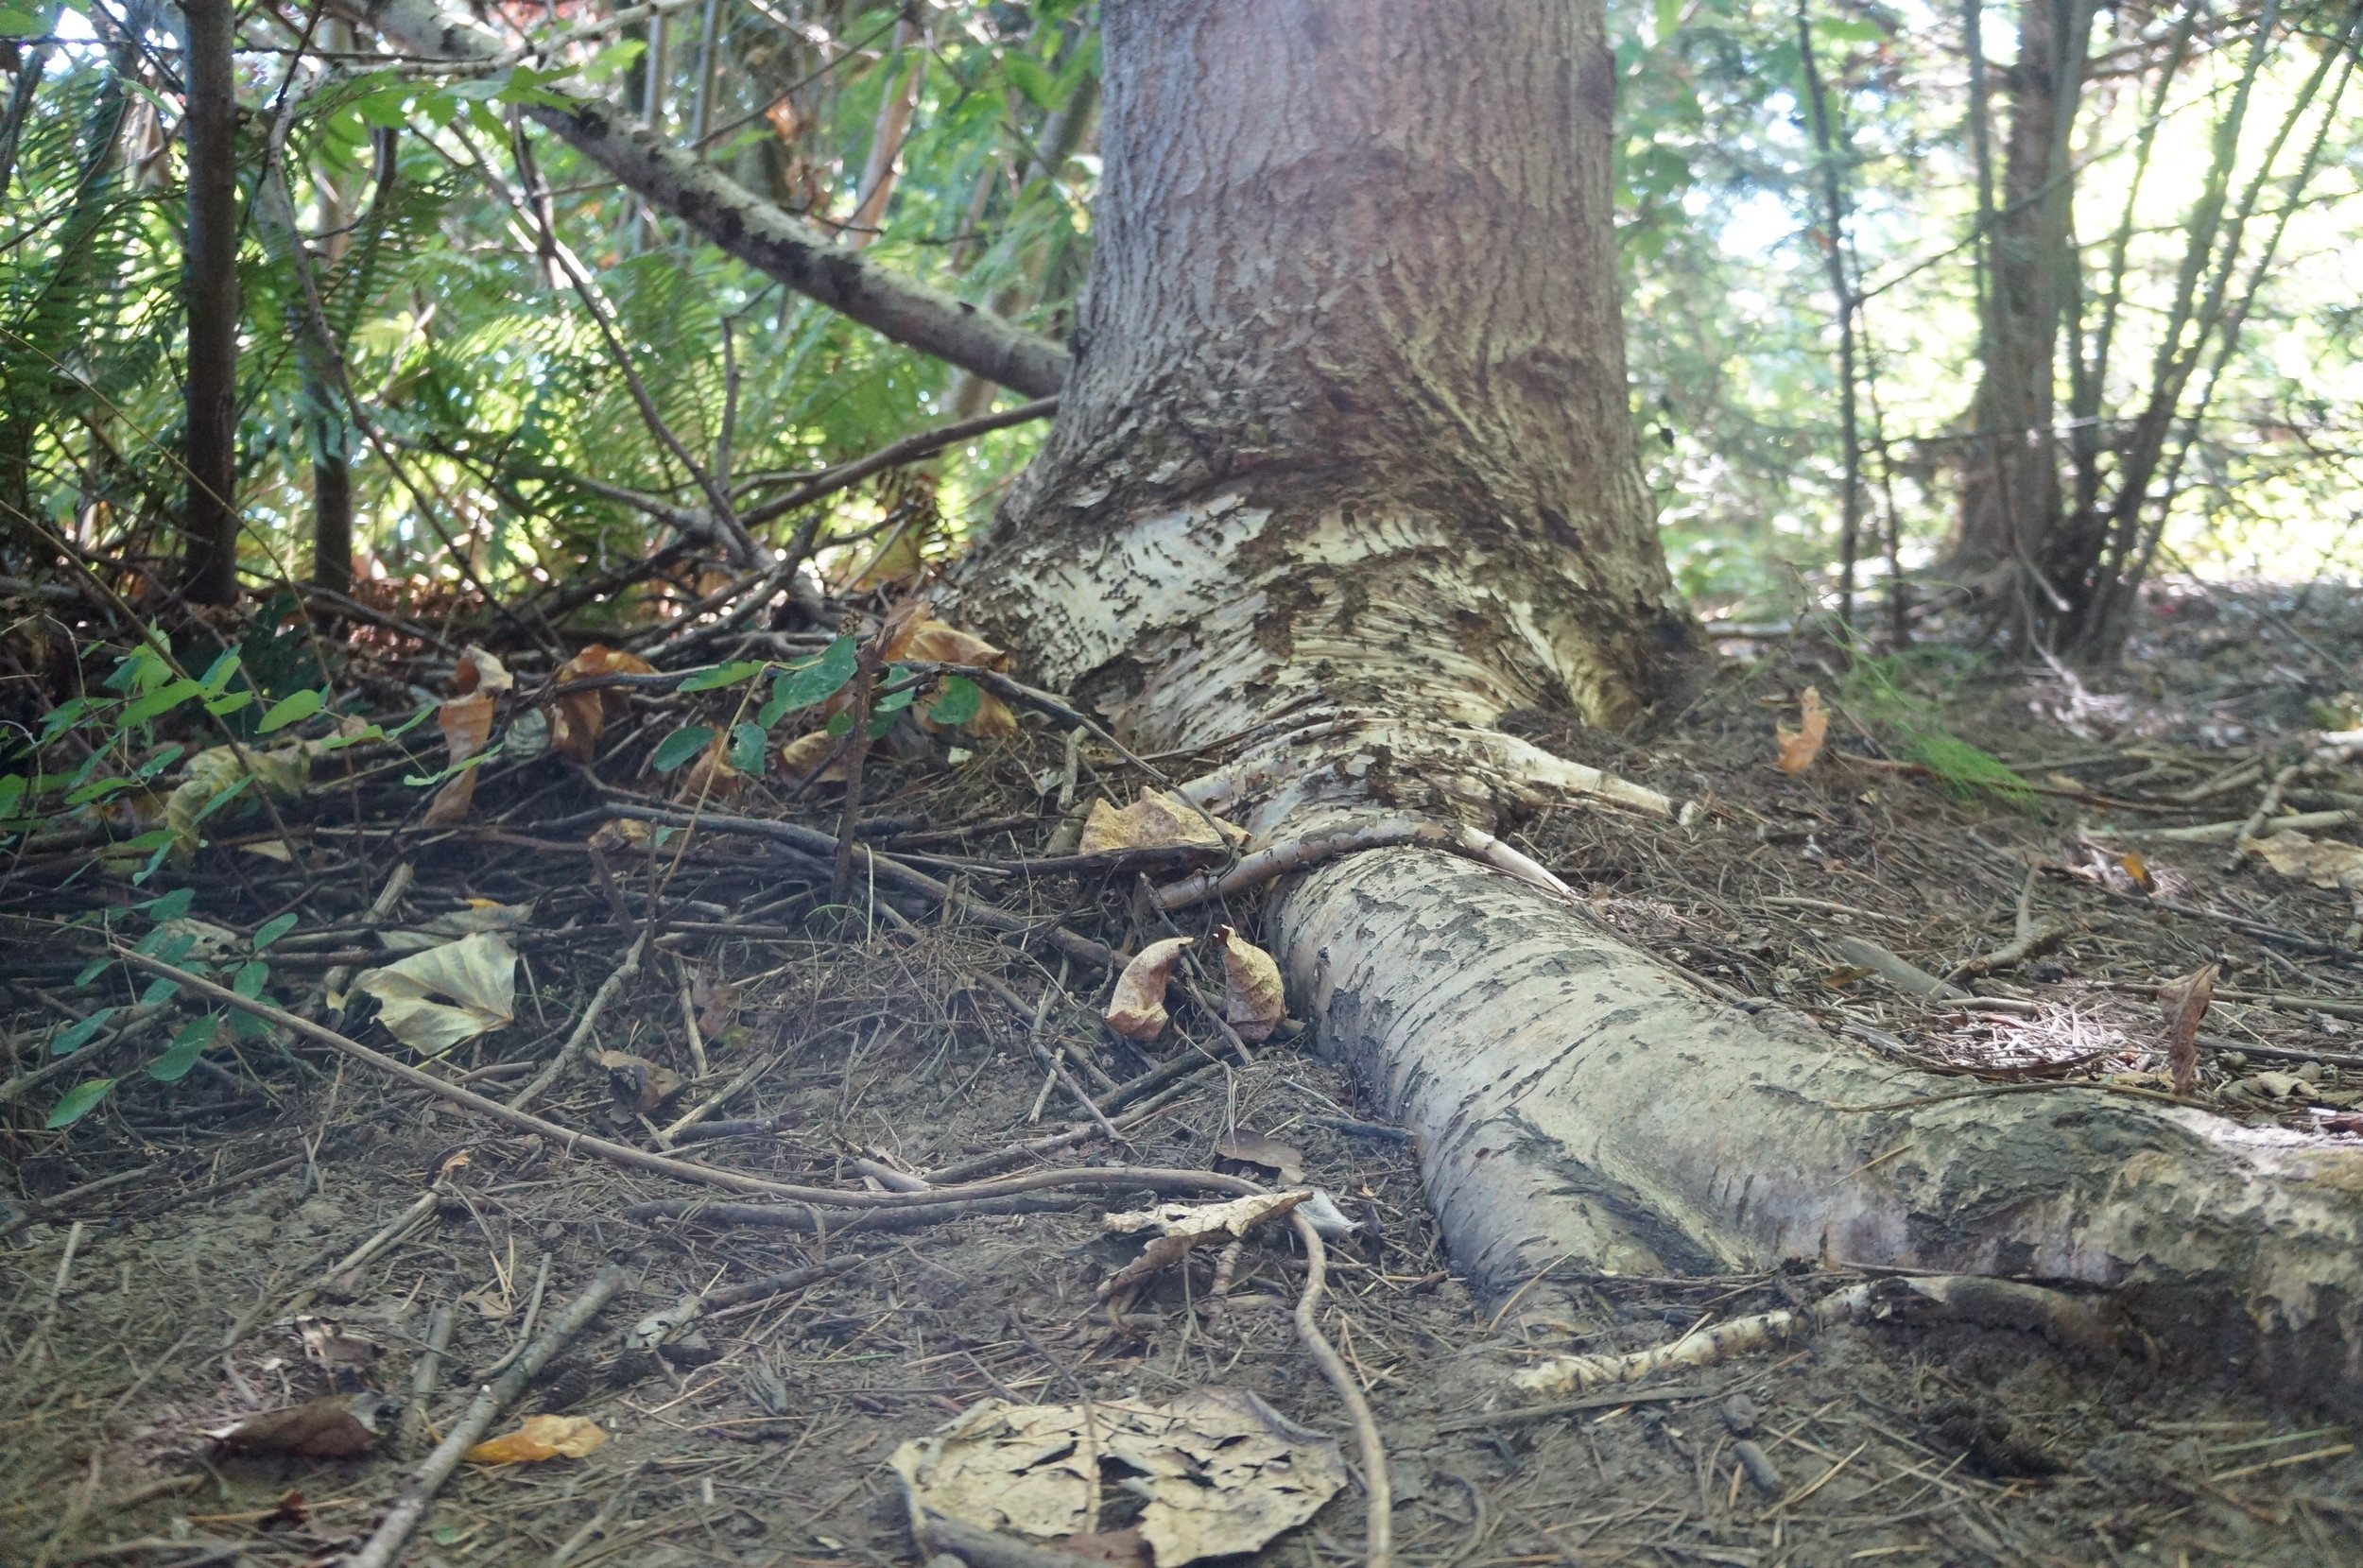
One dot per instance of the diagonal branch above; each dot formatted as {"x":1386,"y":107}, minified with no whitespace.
{"x":763,"y":235}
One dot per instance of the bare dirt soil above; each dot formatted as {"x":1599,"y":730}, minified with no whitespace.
{"x":211,"y":1282}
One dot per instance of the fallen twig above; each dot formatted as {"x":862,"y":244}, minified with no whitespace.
{"x":658,"y":1326}
{"x":608,"y":989}
{"x":469,"y":1430}
{"x":1378,"y":1545}
{"x":1278,"y":860}
{"x":816,"y":1219}
{"x":411,"y":1433}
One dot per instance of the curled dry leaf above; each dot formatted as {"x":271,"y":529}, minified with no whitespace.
{"x":1799,"y":747}
{"x":478,"y":977}
{"x":1252,"y":1003}
{"x":1222,"y":1472}
{"x":1137,"y":1011}
{"x":799,"y":756}
{"x":620,"y":833}
{"x":2184,"y":1004}
{"x":337,"y":1427}
{"x":1155,"y":822}
{"x":638,"y":1084}
{"x":478,"y":671}
{"x":578,"y":718}
{"x":2323,"y":862}
{"x":541,"y":1438}
{"x":1185,"y":1226}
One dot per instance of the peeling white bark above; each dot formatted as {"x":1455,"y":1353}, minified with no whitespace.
{"x":1576,"y":1103}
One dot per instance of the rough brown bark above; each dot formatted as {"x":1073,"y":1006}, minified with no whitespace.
{"x":2010,"y":495}
{"x":210,"y":291}
{"x":1349,"y":409}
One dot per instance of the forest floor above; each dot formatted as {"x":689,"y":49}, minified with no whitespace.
{"x":212,"y":1282}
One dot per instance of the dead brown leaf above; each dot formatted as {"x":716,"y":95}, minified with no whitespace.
{"x":1799,"y":747}
{"x":2184,"y":1004}
{"x":2323,"y":862}
{"x":578,"y":718}
{"x":326,"y":1341}
{"x":1252,"y":1002}
{"x":638,"y":1084}
{"x":1137,"y":1011}
{"x":717,"y":1002}
{"x":805,"y":752}
{"x":337,"y":1427}
{"x":711,"y":775}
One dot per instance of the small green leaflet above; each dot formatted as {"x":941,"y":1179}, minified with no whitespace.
{"x":159,"y":990}
{"x":223,"y":706}
{"x":168,"y":906}
{"x":92,"y":971}
{"x":477,"y":761}
{"x":185,"y":1048}
{"x":679,"y":746}
{"x":747,"y":743}
{"x":61,"y":718}
{"x":840,"y":723}
{"x":337,"y":743}
{"x":801,"y":686}
{"x":250,"y":979}
{"x":158,"y":762}
{"x":722,"y":675}
{"x":98,"y":791}
{"x":17,"y":24}
{"x":79,"y":1102}
{"x":958,"y":700}
{"x":77,"y":1036}
{"x":271,"y":930}
{"x":879,"y":724}
{"x":216,"y":676}
{"x":289,"y":709}
{"x":159,"y":700}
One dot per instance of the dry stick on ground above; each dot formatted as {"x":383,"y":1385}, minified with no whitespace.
{"x":40,"y":1209}
{"x":469,"y":1430}
{"x":412,"y":1431}
{"x":657,"y":1326}
{"x":1269,"y":865}
{"x":623,"y":1154}
{"x":715,"y":1101}
{"x":609,"y":989}
{"x":2266,"y":807}
{"x":1379,"y":1541}
{"x":2028,"y":940}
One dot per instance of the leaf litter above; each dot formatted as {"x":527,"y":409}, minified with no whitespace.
{"x":887,"y":1046}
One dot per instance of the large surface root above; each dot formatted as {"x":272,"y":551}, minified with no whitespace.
{"x":1577,"y":1104}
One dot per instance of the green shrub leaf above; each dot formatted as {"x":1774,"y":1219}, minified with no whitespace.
{"x":185,"y":1048}
{"x":679,"y":746}
{"x":291,"y":709}
{"x":79,"y":1101}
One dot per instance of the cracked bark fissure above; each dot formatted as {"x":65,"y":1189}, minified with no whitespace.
{"x":1346,"y":448}
{"x":763,"y":235}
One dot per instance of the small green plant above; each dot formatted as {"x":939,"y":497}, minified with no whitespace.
{"x":1874,"y":689}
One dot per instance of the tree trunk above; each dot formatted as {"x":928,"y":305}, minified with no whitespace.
{"x":210,"y":518}
{"x":1348,"y":416}
{"x":1344,"y":473}
{"x":2010,"y":498}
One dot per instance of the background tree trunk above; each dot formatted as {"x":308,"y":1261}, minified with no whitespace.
{"x":2011,"y":497}
{"x":210,"y":127}
{"x":1347,"y":415}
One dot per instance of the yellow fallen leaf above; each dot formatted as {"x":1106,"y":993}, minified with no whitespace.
{"x":1799,"y":747}
{"x":479,"y":975}
{"x":541,"y":1438}
{"x":1154,"y":821}
{"x":1137,"y":1011}
{"x":1252,"y":1003}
